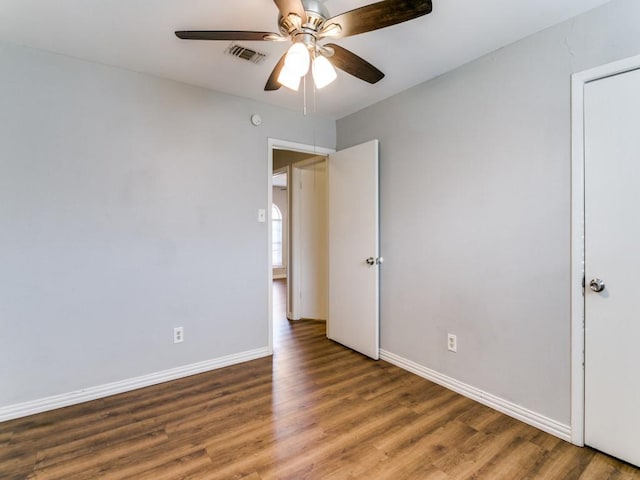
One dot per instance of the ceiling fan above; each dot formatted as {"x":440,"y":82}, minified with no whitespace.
{"x":306,"y":23}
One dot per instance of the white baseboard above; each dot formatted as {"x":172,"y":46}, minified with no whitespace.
{"x":534,"y":419}
{"x":101,"y":391}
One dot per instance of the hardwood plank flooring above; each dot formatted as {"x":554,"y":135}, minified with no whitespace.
{"x":316,"y":410}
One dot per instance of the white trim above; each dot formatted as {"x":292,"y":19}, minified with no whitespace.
{"x":577,"y":261}
{"x":285,"y":226}
{"x":578,"y":80}
{"x":529,"y":417}
{"x":297,"y":147}
{"x":294,"y":284}
{"x":269,"y":246}
{"x":101,"y":391}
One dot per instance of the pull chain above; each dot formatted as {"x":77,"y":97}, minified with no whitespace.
{"x":304,"y":95}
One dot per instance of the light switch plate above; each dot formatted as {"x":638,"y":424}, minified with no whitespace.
{"x":262,"y":215}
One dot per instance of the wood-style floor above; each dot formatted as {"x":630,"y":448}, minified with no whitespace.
{"x":315,"y":411}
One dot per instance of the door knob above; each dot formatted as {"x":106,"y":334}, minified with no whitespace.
{"x":596,"y":285}
{"x":371,"y":261}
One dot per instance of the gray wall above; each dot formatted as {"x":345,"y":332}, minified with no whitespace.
{"x":128,"y":206}
{"x":475,"y":210}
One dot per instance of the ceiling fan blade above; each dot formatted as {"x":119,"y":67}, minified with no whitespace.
{"x":353,"y":64}
{"x":377,"y":15}
{"x":272,"y":82}
{"x":291,"y":6}
{"x":223,"y":35}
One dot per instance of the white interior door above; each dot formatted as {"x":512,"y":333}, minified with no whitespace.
{"x":310,"y":190}
{"x":612,"y":254}
{"x":353,"y":318}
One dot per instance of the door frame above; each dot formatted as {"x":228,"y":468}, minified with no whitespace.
{"x":285,"y":227}
{"x":277,"y":144}
{"x":578,"y":81}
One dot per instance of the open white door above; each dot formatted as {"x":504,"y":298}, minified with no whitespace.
{"x":612,"y":236}
{"x":354,"y":260}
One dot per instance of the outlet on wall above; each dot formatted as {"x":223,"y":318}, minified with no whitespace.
{"x":452,"y":343}
{"x":178,"y":335}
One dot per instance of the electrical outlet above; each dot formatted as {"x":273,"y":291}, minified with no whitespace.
{"x":178,"y":335}
{"x":452,"y":343}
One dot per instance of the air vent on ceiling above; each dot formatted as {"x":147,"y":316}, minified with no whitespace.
{"x":245,"y":53}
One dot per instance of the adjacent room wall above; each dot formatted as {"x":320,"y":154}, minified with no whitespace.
{"x":309,"y":270}
{"x":128,"y":206}
{"x":475,"y":210}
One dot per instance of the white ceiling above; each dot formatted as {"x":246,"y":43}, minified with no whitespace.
{"x":138,"y":35}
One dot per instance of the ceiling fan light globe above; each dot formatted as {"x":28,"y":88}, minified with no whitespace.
{"x":288,"y":79}
{"x":323,"y":72}
{"x":297,"y":59}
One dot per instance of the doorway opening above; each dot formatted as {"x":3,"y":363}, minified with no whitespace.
{"x":308,"y":286}
{"x":288,"y":161}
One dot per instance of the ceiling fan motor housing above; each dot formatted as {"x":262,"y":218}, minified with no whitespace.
{"x":317,"y":15}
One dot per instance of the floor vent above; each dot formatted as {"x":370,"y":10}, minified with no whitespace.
{"x":245,"y":53}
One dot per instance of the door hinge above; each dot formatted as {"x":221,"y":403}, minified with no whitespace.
{"x":583,"y":284}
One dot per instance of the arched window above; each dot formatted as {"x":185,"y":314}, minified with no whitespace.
{"x":276,"y":240}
